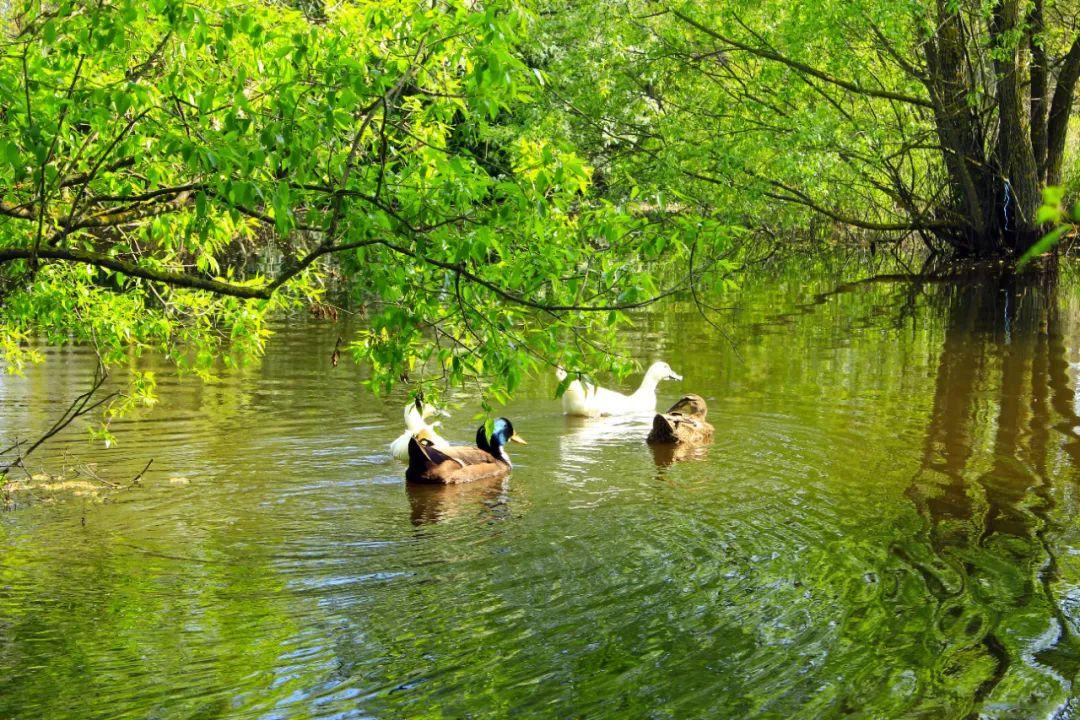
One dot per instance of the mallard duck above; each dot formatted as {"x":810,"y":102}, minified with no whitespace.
{"x":417,"y":415}
{"x":459,"y":463}
{"x":591,"y":401}
{"x":683,"y":423}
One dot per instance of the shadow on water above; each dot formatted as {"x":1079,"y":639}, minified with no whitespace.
{"x":987,"y":514}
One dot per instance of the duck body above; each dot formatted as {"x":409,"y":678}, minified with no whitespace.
{"x":683,"y":424}
{"x":456,"y":464}
{"x":587,"y":400}
{"x":417,"y":416}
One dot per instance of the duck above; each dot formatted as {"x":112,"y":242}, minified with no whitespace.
{"x":683,"y":424}
{"x":586,"y":400}
{"x":417,"y":415}
{"x":459,"y":463}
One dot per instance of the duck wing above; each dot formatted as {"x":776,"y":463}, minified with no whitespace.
{"x":612,"y":402}
{"x":481,"y":471}
{"x":676,"y":427}
{"x":419,"y":455}
{"x":460,"y":454}
{"x":451,"y":465}
{"x":690,"y":406}
{"x":400,"y":447}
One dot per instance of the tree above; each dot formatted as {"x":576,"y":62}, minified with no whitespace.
{"x":172,"y":173}
{"x":944,"y":120}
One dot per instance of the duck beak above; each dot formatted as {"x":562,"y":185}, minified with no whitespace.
{"x":442,"y":413}
{"x":518,"y":439}
{"x":674,"y":376}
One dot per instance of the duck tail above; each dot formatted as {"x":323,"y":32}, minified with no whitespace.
{"x":419,"y":457}
{"x":663,"y":429}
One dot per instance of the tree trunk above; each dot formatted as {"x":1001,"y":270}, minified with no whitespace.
{"x":999,"y":94}
{"x":1057,"y":124}
{"x":1039,"y":87}
{"x":957,"y":125}
{"x":1019,"y":182}
{"x":999,"y":194}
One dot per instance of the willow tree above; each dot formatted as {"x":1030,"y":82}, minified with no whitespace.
{"x":172,"y":172}
{"x":976,"y":95}
{"x":942,"y":119}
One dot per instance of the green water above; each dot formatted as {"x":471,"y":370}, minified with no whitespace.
{"x":885,"y":527}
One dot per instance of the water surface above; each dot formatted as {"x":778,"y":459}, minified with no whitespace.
{"x":885,"y":527}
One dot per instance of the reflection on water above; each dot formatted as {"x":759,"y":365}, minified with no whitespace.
{"x":665,"y":454}
{"x":439,"y":503}
{"x":992,"y":571}
{"x":585,"y":440}
{"x":884,"y":526}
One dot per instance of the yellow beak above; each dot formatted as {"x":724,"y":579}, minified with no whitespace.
{"x":518,"y":439}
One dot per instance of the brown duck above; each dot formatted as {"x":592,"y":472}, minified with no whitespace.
{"x":683,"y":423}
{"x":460,"y":463}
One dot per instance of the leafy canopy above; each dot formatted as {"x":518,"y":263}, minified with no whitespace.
{"x":173,"y":173}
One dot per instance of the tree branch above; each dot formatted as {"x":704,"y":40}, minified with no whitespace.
{"x":171,"y":277}
{"x":798,"y":197}
{"x":766,"y":54}
{"x":132,"y":269}
{"x":79,"y":406}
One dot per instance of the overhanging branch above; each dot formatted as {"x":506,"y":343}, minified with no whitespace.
{"x":767,"y":54}
{"x":180,"y":279}
{"x":265,"y":291}
{"x":791,"y":195}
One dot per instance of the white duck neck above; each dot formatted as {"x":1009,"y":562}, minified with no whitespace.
{"x":648,"y":386}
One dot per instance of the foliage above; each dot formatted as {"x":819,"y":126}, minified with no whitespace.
{"x":175,"y":173}
{"x":938,"y":122}
{"x":1062,"y":222}
{"x":494,"y":186}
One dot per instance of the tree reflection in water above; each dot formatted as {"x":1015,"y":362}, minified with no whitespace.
{"x":990,"y":570}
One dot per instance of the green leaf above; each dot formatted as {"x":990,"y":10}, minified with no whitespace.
{"x":1047,"y":242}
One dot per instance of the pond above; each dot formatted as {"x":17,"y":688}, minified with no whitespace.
{"x":885,"y":526}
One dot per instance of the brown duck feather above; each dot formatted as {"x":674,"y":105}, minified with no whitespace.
{"x":683,"y":423}
{"x":455,"y":464}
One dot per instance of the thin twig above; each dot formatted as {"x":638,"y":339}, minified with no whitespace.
{"x":135,"y":480}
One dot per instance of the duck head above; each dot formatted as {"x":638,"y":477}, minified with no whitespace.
{"x":502,"y":432}
{"x":661,"y":371}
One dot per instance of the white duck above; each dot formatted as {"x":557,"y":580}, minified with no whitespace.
{"x":590,"y":401}
{"x":417,"y":415}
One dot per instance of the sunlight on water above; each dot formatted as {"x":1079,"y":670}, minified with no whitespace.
{"x":885,"y":526}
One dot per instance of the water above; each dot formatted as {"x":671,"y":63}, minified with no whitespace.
{"x":884,"y":527}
